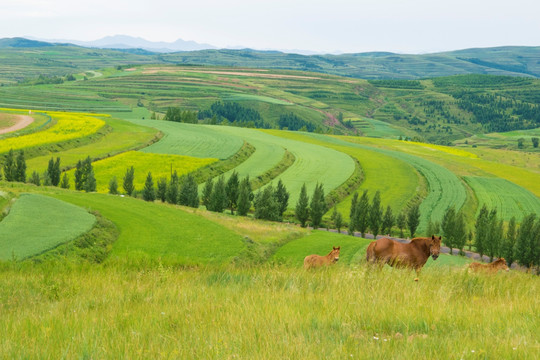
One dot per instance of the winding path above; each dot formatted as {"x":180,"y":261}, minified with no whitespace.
{"x":21,"y":121}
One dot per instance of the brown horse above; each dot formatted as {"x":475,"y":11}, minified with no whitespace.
{"x":411,"y":255}
{"x":313,"y":261}
{"x":491,"y":268}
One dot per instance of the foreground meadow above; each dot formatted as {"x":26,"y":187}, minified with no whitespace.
{"x":57,"y":310}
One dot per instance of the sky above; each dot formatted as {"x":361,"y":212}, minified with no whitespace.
{"x":334,"y":26}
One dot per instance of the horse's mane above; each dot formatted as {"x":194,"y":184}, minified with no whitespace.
{"x":420,"y":238}
{"x":499,"y":261}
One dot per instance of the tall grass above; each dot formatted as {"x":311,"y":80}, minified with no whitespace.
{"x":65,"y":311}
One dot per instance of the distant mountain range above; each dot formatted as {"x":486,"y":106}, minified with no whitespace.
{"x":130,"y":42}
{"x":18,"y":63}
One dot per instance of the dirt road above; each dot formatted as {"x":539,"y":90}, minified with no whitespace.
{"x":21,"y":121}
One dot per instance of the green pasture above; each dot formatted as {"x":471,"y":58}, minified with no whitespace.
{"x":124,"y":136}
{"x":38,"y":223}
{"x":203,"y":141}
{"x":156,"y":231}
{"x":445,"y":189}
{"x":313,"y":164}
{"x":397,"y":180}
{"x":507,"y":198}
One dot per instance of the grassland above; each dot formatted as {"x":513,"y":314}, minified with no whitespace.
{"x":507,"y":198}
{"x":38,"y":223}
{"x":192,"y":140}
{"x":266,"y":312}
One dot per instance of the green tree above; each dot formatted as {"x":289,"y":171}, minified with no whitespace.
{"x":282,"y":197}
{"x":54,"y":171}
{"x":34,"y":179}
{"x":189,"y":192}
{"x":218,"y":199}
{"x":21,"y":167}
{"x":317,"y":206}
{"x":362,"y":213}
{"x":523,"y":251}
{"x":207,"y":193}
{"x":90,"y":184}
{"x":375,"y":214}
{"x":534,"y":142}
{"x":494,"y":236}
{"x":352,"y":214}
{"x":433,"y":228}
{"x":507,"y":248}
{"x":413,"y":219}
{"x":129,"y":177}
{"x":337,"y":218}
{"x":47,"y":180}
{"x":149,"y":193}
{"x":302,"y":208}
{"x":113,"y":186}
{"x":482,"y":230}
{"x":244,"y":197}
{"x":232,"y":191}
{"x":448,"y":226}
{"x":521,"y":143}
{"x":10,"y":168}
{"x":162,"y":189}
{"x":460,"y":232}
{"x":79,"y":176}
{"x":401,"y":222}
{"x":388,"y":221}
{"x":64,"y":184}
{"x":266,"y":206}
{"x":172,"y":189}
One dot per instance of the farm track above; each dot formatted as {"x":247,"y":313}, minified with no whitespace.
{"x":21,"y":122}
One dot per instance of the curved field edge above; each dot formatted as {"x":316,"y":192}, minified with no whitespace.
{"x":68,"y":127}
{"x":158,"y":231}
{"x":124,"y":136}
{"x":507,"y":198}
{"x":38,"y":223}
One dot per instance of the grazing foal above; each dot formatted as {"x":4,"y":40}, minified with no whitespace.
{"x":313,"y":261}
{"x":491,"y":268}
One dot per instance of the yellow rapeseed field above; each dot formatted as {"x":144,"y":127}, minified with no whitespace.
{"x":68,"y":126}
{"x":159,"y":165}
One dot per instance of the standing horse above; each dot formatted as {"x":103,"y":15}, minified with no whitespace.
{"x":411,"y":255}
{"x":491,"y":268}
{"x":313,"y":261}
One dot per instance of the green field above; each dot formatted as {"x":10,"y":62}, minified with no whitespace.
{"x":39,"y":223}
{"x":166,"y":233}
{"x":507,"y":198}
{"x":192,"y":140}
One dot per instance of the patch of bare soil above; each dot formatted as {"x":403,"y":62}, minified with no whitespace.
{"x":21,"y":121}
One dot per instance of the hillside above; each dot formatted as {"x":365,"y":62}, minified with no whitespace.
{"x":22,"y":59}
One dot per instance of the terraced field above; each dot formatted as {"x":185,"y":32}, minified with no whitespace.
{"x":68,"y":126}
{"x":192,"y":140}
{"x":38,"y":223}
{"x":123,"y":136}
{"x":160,"y":165}
{"x":156,"y":231}
{"x":509,"y":199}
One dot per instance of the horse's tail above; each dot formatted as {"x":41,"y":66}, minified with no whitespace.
{"x":370,"y":252}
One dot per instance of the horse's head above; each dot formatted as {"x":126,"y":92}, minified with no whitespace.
{"x":501,"y":264}
{"x":335,"y":253}
{"x":435,"y":246}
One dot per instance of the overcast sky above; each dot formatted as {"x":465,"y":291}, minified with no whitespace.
{"x":405,"y":26}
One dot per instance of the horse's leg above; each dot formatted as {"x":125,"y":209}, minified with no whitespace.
{"x":417,"y":273}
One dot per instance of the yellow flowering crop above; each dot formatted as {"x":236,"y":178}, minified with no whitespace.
{"x":158,"y":164}
{"x":68,"y":126}
{"x":447,"y":149}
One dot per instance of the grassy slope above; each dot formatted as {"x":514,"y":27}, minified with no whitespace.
{"x":266,"y":313}
{"x":160,"y":231}
{"x":38,"y":223}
